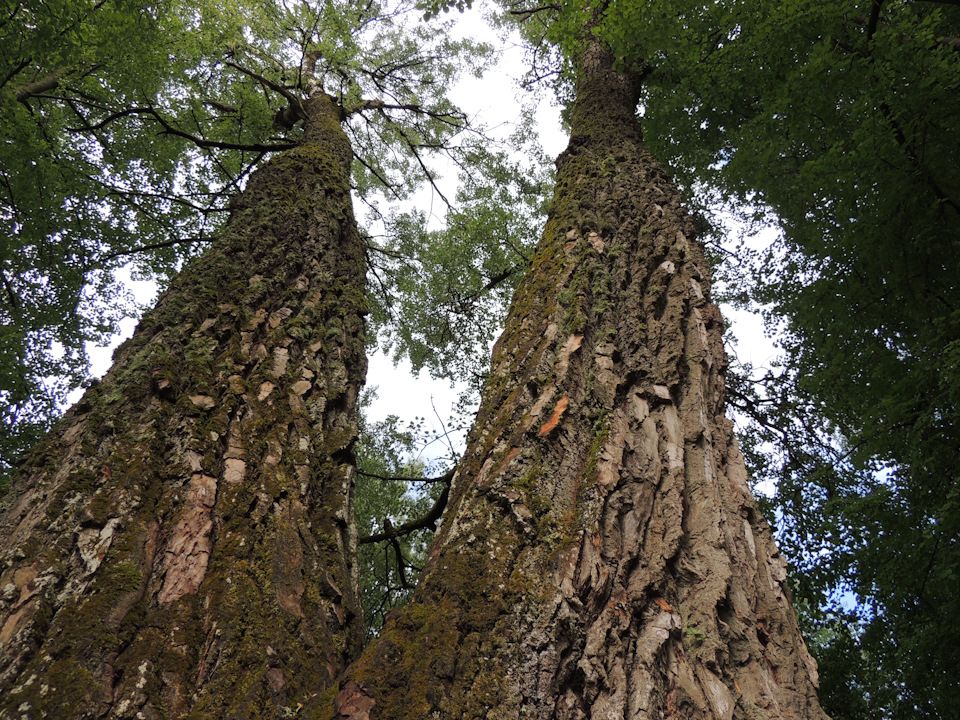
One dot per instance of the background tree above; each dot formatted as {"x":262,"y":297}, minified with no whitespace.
{"x":65,"y":201}
{"x":398,"y":506}
{"x":442,"y":293}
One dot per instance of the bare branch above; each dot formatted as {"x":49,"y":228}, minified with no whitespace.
{"x":426,"y":170}
{"x":377,"y":175}
{"x":445,"y":478}
{"x":875,"y":8}
{"x":170,"y":129}
{"x":13,"y":72}
{"x":454,"y":119}
{"x":154,"y":246}
{"x":427,"y":521}
{"x":525,"y":14}
{"x":88,"y":127}
{"x":530,"y":81}
{"x":50,"y":82}
{"x":376,"y":105}
{"x":291,"y":98}
{"x":222,"y":107}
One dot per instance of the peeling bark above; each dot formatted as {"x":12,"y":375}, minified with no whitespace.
{"x":602,"y":555}
{"x":182,"y":544}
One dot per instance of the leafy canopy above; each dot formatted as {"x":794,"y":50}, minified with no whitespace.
{"x":59,"y":209}
{"x":401,"y":490}
{"x":841,"y":121}
{"x":440,"y":294}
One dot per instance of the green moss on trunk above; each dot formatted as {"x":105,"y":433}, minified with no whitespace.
{"x":182,"y":544}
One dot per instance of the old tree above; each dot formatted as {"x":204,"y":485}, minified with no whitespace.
{"x":183,"y":544}
{"x":842,"y":120}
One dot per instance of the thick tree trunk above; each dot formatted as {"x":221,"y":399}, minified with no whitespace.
{"x":183,"y":544}
{"x":602,"y":555}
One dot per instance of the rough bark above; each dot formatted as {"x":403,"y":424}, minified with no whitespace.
{"x":182,"y":544}
{"x":602,"y":555}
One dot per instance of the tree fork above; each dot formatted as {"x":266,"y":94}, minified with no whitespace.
{"x":182,"y":545}
{"x":601,"y":555}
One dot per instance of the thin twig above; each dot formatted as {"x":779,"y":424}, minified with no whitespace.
{"x":154,"y":246}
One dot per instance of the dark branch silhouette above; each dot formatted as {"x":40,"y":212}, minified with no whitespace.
{"x":428,"y":521}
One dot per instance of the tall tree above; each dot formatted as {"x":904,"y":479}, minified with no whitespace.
{"x":128,"y":126}
{"x":602,"y":555}
{"x":183,"y":543}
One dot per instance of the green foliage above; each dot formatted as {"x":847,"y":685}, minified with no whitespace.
{"x":411,"y":66}
{"x":59,"y":207}
{"x":440,"y":295}
{"x":432,"y":8}
{"x":389,"y":569}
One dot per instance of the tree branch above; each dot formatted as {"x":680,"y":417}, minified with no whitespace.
{"x":445,"y":478}
{"x":154,"y":246}
{"x":170,"y":129}
{"x":291,"y":98}
{"x":873,"y":23}
{"x":427,"y":521}
{"x":14,"y":72}
{"x":908,"y":147}
{"x":500,"y":277}
{"x":14,"y":302}
{"x":525,"y":14}
{"x":88,"y":127}
{"x":454,"y":119}
{"x":426,"y":170}
{"x":875,"y":7}
{"x":50,"y":82}
{"x":377,"y":105}
{"x":378,"y":176}
{"x":951,"y":42}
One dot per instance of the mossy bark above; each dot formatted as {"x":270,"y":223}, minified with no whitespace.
{"x":602,"y":555}
{"x":182,"y":544}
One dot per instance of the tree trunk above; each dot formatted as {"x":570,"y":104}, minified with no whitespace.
{"x":182,"y":544}
{"x":602,"y":555}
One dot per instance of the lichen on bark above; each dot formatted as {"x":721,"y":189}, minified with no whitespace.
{"x":182,"y":544}
{"x":602,"y":555}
